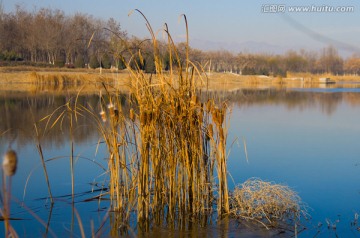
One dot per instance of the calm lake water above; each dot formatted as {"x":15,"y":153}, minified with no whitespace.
{"x":308,"y":139}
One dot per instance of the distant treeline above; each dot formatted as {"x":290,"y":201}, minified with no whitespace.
{"x":48,"y":37}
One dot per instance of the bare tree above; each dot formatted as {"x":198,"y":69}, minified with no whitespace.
{"x":330,"y":61}
{"x":352,"y":65}
{"x":116,"y":38}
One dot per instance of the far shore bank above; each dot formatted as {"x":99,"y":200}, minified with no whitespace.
{"x":38,"y":80}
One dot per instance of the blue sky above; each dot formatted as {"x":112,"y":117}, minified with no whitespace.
{"x":229,"y":22}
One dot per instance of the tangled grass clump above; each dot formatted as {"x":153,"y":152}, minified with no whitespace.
{"x":267,"y":203}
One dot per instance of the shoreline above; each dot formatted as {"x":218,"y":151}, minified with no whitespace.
{"x":37,"y":80}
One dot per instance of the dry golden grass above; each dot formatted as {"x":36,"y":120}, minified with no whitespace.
{"x":41,"y":82}
{"x":59,"y":77}
{"x":90,"y":81}
{"x":267,"y":203}
{"x":315,"y":77}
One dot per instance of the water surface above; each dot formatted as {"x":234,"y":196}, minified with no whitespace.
{"x":307,"y":139}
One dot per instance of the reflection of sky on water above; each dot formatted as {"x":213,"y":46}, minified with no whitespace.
{"x":329,"y":90}
{"x":307,"y":140}
{"x":58,"y":168}
{"x":313,"y":152}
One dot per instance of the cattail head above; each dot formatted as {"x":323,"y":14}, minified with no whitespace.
{"x":210,"y":132}
{"x":201,"y":117}
{"x":178,"y":109}
{"x":143,"y":117}
{"x":150,"y":116}
{"x":215,"y":115}
{"x":111,"y":109}
{"x":209,"y":105}
{"x":221,"y":135}
{"x":221,"y":117}
{"x":103,"y":116}
{"x":132,"y":115}
{"x":194,"y":100}
{"x":9,"y":163}
{"x":116,"y":114}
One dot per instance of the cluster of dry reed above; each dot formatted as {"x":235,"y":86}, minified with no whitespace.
{"x":53,"y":79}
{"x":62,"y":80}
{"x":167,"y":155}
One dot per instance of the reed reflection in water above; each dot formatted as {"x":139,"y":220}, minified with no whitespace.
{"x":20,"y":111}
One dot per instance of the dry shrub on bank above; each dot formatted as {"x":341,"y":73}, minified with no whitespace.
{"x":265,"y":202}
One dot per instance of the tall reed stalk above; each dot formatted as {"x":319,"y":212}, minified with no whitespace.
{"x":67,"y":113}
{"x":38,"y":137}
{"x":9,"y":166}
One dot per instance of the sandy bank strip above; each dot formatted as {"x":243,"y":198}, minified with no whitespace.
{"x":90,"y":81}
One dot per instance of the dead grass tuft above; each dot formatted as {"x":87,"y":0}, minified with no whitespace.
{"x":267,"y":203}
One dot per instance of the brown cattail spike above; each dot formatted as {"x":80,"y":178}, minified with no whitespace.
{"x":208,"y":106}
{"x":10,"y":163}
{"x":111,"y":109}
{"x":143,"y":117}
{"x":221,"y":135}
{"x":132,"y":115}
{"x":103,"y":116}
{"x":116,"y":114}
{"x":221,"y":117}
{"x":210,"y":131}
{"x":193,"y":100}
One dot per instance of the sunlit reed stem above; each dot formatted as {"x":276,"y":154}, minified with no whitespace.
{"x":39,"y":148}
{"x":72,"y":157}
{"x":5,"y":204}
{"x":9,"y":166}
